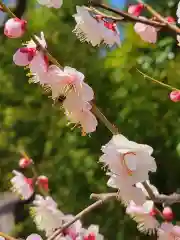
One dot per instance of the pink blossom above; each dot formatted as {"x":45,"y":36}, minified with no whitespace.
{"x":43,"y":182}
{"x":175,"y":96}
{"x":24,"y":56}
{"x":171,"y":20}
{"x":25,"y":162}
{"x":146,"y":32}
{"x":15,"y":28}
{"x":32,"y":56}
{"x":92,"y":233}
{"x":126,"y":192}
{"x":168,"y":231}
{"x":22,"y":185}
{"x":51,"y":3}
{"x":85,"y":118}
{"x":34,"y":236}
{"x":46,"y":215}
{"x":95,"y":30}
{"x":168,"y":214}
{"x":136,"y":9}
{"x":142,"y":215}
{"x":130,"y":161}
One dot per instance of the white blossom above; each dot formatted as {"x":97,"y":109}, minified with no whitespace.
{"x":51,"y":3}
{"x":22,"y":185}
{"x":142,"y":215}
{"x":130,"y":161}
{"x":46,"y":214}
{"x":168,"y":231}
{"x":95,"y":30}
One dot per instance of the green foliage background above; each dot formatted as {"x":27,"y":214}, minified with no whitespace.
{"x":141,"y":110}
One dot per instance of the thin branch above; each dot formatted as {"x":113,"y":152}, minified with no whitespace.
{"x":101,"y":196}
{"x":127,"y":16}
{"x":158,"y":16}
{"x":157,"y":81}
{"x":167,"y":199}
{"x":94,"y":10}
{"x":79,"y":216}
{"x":103,"y":119}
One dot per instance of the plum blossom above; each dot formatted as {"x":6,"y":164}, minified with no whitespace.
{"x":142,"y":215}
{"x":15,"y":28}
{"x":86,"y":28}
{"x":85,"y":118}
{"x":94,"y":30}
{"x":22,"y":185}
{"x":175,"y":96}
{"x":168,"y":231}
{"x":74,"y":230}
{"x":168,"y":213}
{"x":109,"y":32}
{"x":34,"y":236}
{"x":69,"y":85}
{"x":92,"y":233}
{"x":46,"y":215}
{"x":32,"y":56}
{"x":51,"y":3}
{"x":130,"y":161}
{"x":25,"y":162}
{"x":136,"y":9}
{"x":146,"y":32}
{"x":43,"y":182}
{"x":126,"y":192}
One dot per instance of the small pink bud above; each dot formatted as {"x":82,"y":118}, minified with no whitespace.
{"x":43,"y":182}
{"x":136,"y":9}
{"x":168,"y":214}
{"x":170,"y":20}
{"x":153,"y":212}
{"x":25,"y":162}
{"x":175,"y":96}
{"x":91,"y":236}
{"x":24,"y":56}
{"x":15,"y":28}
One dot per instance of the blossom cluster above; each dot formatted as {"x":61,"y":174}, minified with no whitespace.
{"x":44,"y":209}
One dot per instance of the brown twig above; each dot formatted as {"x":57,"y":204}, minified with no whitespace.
{"x":79,"y":216}
{"x":127,"y":16}
{"x":158,"y":16}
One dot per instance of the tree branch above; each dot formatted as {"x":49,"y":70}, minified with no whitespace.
{"x":158,"y":16}
{"x":80,"y":215}
{"x":127,"y":17}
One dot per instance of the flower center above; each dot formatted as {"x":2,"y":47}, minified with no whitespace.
{"x":129,"y":162}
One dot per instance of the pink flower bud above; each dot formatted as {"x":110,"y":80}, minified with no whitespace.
{"x":24,"y":56}
{"x":171,"y":20}
{"x":15,"y":28}
{"x":136,"y":9}
{"x":91,"y":236}
{"x":168,"y":214}
{"x":153,"y":212}
{"x":25,"y":162}
{"x":175,"y":96}
{"x":43,"y":182}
